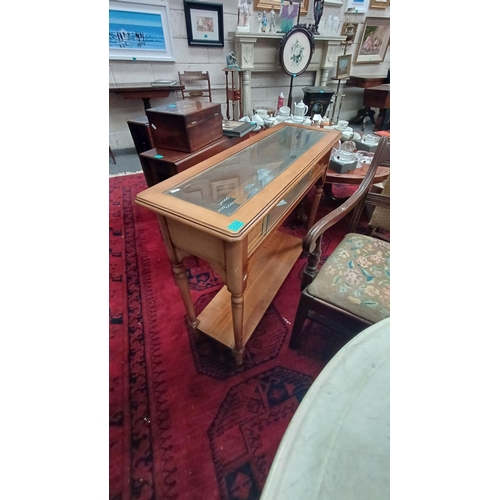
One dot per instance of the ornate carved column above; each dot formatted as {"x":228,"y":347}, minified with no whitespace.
{"x":246,"y":61}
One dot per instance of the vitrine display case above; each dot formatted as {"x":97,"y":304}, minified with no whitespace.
{"x":226,"y":210}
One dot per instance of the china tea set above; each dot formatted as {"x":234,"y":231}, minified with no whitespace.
{"x":299,"y":116}
{"x":345,"y":157}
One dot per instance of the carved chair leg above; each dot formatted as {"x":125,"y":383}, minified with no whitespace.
{"x":300,"y":318}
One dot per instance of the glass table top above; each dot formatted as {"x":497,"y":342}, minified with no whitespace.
{"x":227,"y":185}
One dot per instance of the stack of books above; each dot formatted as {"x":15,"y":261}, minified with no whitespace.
{"x":163,"y":83}
{"x":231,"y":128}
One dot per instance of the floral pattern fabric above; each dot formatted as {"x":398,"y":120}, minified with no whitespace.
{"x":356,"y":277}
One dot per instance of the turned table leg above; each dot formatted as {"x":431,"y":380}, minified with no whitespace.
{"x":180,"y":274}
{"x":236,"y":281}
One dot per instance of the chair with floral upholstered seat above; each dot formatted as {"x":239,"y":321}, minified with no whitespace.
{"x":352,"y":289}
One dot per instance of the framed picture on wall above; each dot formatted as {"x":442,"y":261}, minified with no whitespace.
{"x":269,"y":4}
{"x":296,"y":50}
{"x":374,"y":41}
{"x":139,"y":31}
{"x":343,"y":67}
{"x":349,"y":30}
{"x":204,"y":23}
{"x":356,"y":6}
{"x":380,"y":4}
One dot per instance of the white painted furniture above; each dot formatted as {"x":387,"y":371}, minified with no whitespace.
{"x":260,"y":52}
{"x":337,"y":443}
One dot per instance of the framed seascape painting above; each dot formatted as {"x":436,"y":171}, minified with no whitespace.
{"x":374,"y":40}
{"x":139,"y":31}
{"x":344,"y":67}
{"x":204,"y":23}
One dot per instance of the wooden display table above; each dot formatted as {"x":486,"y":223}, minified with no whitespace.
{"x":226,"y":210}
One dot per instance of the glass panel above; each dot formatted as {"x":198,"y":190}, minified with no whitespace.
{"x":282,"y":206}
{"x":230,"y":183}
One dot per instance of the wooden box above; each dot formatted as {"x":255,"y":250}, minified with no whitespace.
{"x":185,"y":125}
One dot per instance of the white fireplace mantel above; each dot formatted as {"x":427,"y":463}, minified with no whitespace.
{"x":260,"y":52}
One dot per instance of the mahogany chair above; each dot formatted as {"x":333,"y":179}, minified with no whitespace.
{"x":351,"y":290}
{"x":196,"y":84}
{"x":380,"y":221}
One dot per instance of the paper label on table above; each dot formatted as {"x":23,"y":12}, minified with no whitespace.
{"x":229,"y":209}
{"x":235,"y":225}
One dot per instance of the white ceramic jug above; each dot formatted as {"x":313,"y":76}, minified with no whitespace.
{"x":317,"y":119}
{"x":300,"y":109}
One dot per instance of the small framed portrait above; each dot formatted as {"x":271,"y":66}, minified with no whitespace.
{"x":344,"y":67}
{"x":349,"y":30}
{"x":204,"y":23}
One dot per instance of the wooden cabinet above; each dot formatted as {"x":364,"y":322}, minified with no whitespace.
{"x":226,"y":210}
{"x":159,"y":164}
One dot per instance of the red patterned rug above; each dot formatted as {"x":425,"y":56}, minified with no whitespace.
{"x":185,"y":421}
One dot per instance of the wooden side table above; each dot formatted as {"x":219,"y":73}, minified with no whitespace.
{"x":378,"y":97}
{"x":144,"y":91}
{"x":367,"y":82}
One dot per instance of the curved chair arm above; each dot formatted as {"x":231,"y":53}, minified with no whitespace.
{"x":378,"y":200}
{"x":312,"y":241}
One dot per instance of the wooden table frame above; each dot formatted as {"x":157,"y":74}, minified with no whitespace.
{"x":142,"y":91}
{"x":252,"y":261}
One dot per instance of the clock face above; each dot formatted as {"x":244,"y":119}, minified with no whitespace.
{"x":297,"y":48}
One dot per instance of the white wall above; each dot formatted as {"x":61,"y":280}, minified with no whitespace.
{"x":266,"y":86}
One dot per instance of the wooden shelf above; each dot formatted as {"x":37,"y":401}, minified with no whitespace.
{"x":268,"y":269}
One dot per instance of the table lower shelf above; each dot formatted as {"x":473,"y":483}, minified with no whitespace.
{"x":268,"y":269}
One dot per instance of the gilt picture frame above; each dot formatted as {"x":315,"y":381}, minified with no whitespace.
{"x":374,"y":41}
{"x":140,"y":31}
{"x":380,"y":4}
{"x":204,"y":23}
{"x":267,"y":5}
{"x":344,"y":67}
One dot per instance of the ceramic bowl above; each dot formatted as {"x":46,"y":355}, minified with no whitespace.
{"x":284,"y":111}
{"x":258,"y":120}
{"x":370,"y":139}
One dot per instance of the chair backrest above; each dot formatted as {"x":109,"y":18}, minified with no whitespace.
{"x":196,"y":84}
{"x":381,"y":217}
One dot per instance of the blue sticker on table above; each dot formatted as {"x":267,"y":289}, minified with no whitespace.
{"x":235,"y":225}
{"x":172,"y":106}
{"x":158,"y":156}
